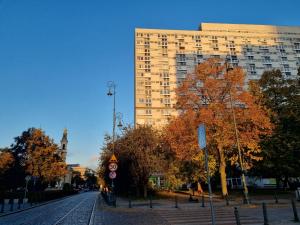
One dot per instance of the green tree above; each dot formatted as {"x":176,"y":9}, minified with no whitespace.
{"x":281,"y":150}
{"x":90,"y":179}
{"x":77,"y":180}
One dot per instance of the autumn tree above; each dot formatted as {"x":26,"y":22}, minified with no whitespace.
{"x":38,"y":155}
{"x":139,"y":156}
{"x":6,"y":160}
{"x":212,"y":93}
{"x":188,"y":160}
{"x":281,"y":150}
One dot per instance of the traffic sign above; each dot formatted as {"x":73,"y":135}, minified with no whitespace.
{"x":113,"y":166}
{"x":112,"y":175}
{"x":202,"y":136}
{"x":113,"y":158}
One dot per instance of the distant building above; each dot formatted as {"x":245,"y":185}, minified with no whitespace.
{"x":163,"y":58}
{"x":62,"y":151}
{"x":79,"y":169}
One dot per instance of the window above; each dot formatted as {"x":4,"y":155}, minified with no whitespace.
{"x":284,"y":58}
{"x":181,"y":57}
{"x":268,"y":66}
{"x":286,"y":68}
{"x":297,"y":46}
{"x":148,"y":101}
{"x":267,"y":59}
{"x":250,"y":57}
{"x":251,"y":69}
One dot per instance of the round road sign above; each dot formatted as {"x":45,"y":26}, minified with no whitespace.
{"x":113,"y":166}
{"x":112,"y":175}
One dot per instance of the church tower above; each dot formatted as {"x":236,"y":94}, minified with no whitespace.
{"x":63,"y":145}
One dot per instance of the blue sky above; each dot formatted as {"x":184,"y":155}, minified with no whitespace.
{"x":56,"y":57}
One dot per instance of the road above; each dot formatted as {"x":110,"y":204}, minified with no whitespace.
{"x":75,"y":210}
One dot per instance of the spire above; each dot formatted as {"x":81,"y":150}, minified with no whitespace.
{"x":64,"y":143}
{"x":65,"y":136}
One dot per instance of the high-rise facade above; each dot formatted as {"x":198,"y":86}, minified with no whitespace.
{"x":163,"y":58}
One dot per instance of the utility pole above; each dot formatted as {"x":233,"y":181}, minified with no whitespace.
{"x":246,"y":195}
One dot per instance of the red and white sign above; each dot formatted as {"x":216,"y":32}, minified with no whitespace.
{"x":112,"y":175}
{"x":113,"y":166}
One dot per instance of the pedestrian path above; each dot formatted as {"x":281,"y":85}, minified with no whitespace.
{"x":202,"y":216}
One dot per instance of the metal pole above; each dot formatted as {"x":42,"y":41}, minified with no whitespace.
{"x":26,"y":189}
{"x":239,"y":151}
{"x":266,"y":221}
{"x":209,"y":189}
{"x":237,"y":216}
{"x":114,"y":116}
{"x":112,"y":86}
{"x":296,"y":218}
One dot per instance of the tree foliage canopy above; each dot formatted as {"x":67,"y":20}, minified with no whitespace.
{"x":139,"y":155}
{"x":33,"y":153}
{"x":214,"y":93}
{"x":282,"y":149}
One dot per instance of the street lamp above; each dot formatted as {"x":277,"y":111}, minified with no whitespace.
{"x":112,"y":92}
{"x":119,"y":117}
{"x":246,"y":196}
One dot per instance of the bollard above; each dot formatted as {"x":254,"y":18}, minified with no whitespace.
{"x":150,"y":201}
{"x":176,"y":202}
{"x":266,"y":221}
{"x":2,"y":205}
{"x":237,"y":216}
{"x":227,"y":200}
{"x":202,"y":199}
{"x":296,"y":218}
{"x":129,"y":203}
{"x":20,"y":201}
{"x":11,"y":202}
{"x":276,"y":198}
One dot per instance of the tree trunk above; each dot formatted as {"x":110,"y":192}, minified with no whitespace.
{"x":137,"y":191}
{"x":222,"y":171}
{"x":277,"y":182}
{"x":285,"y":182}
{"x":145,"y":190}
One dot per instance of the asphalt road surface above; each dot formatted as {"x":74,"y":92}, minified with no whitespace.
{"x":75,"y":210}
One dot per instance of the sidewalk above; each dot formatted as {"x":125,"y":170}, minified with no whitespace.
{"x":193,"y":212}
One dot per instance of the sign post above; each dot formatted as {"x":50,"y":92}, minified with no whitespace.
{"x":202,"y":145}
{"x":113,"y":166}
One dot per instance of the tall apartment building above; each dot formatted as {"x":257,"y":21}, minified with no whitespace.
{"x":163,"y":58}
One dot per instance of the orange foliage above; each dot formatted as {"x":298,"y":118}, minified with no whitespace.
{"x":42,"y":160}
{"x":206,"y":97}
{"x":207,"y":93}
{"x":6,"y":160}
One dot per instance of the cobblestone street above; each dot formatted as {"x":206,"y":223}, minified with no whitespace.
{"x":75,"y":210}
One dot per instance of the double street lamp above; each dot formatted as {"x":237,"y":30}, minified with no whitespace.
{"x":116,"y":116}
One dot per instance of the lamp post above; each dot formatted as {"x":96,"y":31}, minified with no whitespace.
{"x":112,"y":92}
{"x":246,"y":193}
